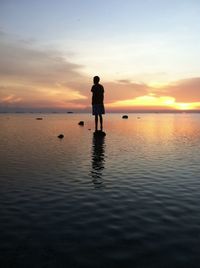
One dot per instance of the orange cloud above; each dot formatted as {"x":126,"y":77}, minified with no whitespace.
{"x":10,"y":99}
{"x":36,"y":77}
{"x":185,"y":90}
{"x":32,"y":77}
{"x":152,"y":102}
{"x":119,"y":90}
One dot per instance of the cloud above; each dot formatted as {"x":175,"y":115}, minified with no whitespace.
{"x":28,"y":63}
{"x":30,"y":74}
{"x":35,"y":76}
{"x":10,"y":99}
{"x":185,"y":90}
{"x":124,"y":81}
{"x":180,"y":95}
{"x":115,"y":91}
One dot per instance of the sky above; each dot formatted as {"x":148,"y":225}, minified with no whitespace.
{"x":146,"y":53}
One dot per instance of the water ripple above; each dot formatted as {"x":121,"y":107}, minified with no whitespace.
{"x":130,"y":199}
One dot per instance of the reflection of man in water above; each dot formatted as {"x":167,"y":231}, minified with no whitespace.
{"x":97,"y":102}
{"x":97,"y":159}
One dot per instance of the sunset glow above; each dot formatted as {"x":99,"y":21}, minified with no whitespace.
{"x":187,"y":106}
{"x":165,"y":102}
{"x":144,"y":61}
{"x":149,"y":101}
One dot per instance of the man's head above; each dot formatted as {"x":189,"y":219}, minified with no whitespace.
{"x":96,"y":80}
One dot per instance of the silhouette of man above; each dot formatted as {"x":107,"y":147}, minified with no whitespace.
{"x":97,"y":102}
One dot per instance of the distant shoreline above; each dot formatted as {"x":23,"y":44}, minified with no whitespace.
{"x":108,"y":112}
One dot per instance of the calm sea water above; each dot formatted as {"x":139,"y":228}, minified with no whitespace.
{"x":131,"y":199}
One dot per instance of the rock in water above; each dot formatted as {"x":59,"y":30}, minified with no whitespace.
{"x":39,"y":118}
{"x":81,"y":123}
{"x":99,"y":134}
{"x":125,"y":116}
{"x":61,"y":136}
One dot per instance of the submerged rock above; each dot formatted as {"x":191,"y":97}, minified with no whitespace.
{"x":60,"y":136}
{"x":125,"y":116}
{"x":81,"y":123}
{"x":39,"y":118}
{"x":99,"y":134}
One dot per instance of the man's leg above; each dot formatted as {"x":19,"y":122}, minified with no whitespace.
{"x":101,"y":121}
{"x":96,"y":122}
